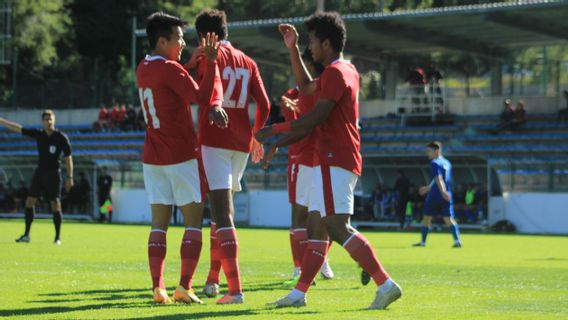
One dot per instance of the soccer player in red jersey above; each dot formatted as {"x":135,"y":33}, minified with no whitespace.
{"x":338,"y":148}
{"x":300,"y":168}
{"x":225,"y":151}
{"x":170,"y":161}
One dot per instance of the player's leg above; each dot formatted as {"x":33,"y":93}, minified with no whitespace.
{"x":312,"y":261}
{"x":190,"y":251}
{"x":211,"y":288}
{"x":222,"y":171}
{"x":51,"y":184}
{"x":161,"y":215}
{"x":29,"y":214}
{"x":339,"y":186}
{"x":161,"y":198}
{"x":424,"y":229}
{"x":57,"y":219}
{"x":448,"y":213}
{"x":185,"y":181}
{"x":29,"y":211}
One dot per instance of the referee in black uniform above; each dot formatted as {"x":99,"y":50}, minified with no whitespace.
{"x":46,"y":180}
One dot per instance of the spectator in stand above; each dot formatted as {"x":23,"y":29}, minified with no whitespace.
{"x":130,"y":119}
{"x":401,"y":187}
{"x":416,"y":80}
{"x":434,"y":76}
{"x":83,"y":193}
{"x":115,"y":117}
{"x":507,"y":116}
{"x":519,"y":116}
{"x":140,"y":122}
{"x":20,"y":196}
{"x":377,"y":199}
{"x":563,"y":113}
{"x":387,"y":203}
{"x":102,"y":122}
{"x":122,"y":117}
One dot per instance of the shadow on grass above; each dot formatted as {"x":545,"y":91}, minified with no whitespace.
{"x":63,"y":309}
{"x":131,"y":297}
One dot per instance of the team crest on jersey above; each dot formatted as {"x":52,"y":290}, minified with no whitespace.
{"x":52,"y":149}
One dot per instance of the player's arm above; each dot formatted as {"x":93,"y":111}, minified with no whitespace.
{"x":284,"y":140}
{"x":12,"y":126}
{"x":442,"y":187}
{"x":303,"y":78}
{"x":305,"y":123}
{"x":68,"y":163}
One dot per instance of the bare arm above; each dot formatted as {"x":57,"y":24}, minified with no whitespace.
{"x":303,"y":78}
{"x":442,"y":187}
{"x":12,"y":126}
{"x":69,"y":178}
{"x":303,"y":124}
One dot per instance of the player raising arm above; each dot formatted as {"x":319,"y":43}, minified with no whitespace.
{"x":170,"y":164}
{"x":335,"y":115}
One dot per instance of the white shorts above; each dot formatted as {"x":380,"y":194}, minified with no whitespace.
{"x":177,"y":184}
{"x":304,"y":185}
{"x":224,"y":168}
{"x":332,"y":191}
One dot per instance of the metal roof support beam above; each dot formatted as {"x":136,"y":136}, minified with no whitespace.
{"x":433,"y":37}
{"x":528,"y":24}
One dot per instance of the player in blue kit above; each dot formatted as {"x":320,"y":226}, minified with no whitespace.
{"x":438,"y":194}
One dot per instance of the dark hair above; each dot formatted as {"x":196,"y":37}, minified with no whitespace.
{"x":307,"y":56}
{"x":212,"y":20}
{"x":436,"y":145}
{"x":47,"y":112}
{"x":160,"y":24}
{"x":330,"y":26}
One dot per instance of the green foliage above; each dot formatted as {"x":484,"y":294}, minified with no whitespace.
{"x":101,"y":272}
{"x":370,"y":85}
{"x":39,"y":25}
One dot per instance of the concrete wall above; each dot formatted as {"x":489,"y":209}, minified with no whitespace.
{"x":63,"y":117}
{"x":532,"y":212}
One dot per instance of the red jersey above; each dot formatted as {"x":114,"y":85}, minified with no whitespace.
{"x":241,"y":81}
{"x":303,"y":151}
{"x":339,"y":142}
{"x":166,"y":90}
{"x":103,"y":114}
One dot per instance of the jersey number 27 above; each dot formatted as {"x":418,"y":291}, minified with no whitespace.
{"x":232,"y":75}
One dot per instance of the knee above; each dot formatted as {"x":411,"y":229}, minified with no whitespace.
{"x":56,"y":205}
{"x":338,"y":231}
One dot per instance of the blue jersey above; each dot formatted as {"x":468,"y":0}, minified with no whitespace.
{"x":439,"y":167}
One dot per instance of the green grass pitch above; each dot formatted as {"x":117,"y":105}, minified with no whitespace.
{"x":101,"y":272}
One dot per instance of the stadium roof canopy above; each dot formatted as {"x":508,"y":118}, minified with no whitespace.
{"x":487,"y":29}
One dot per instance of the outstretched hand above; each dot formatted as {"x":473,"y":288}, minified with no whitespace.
{"x":289,"y":104}
{"x":289,"y":34}
{"x":210,"y":46}
{"x":257,"y":151}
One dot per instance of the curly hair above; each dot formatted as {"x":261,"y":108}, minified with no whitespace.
{"x":328,"y":26}
{"x":212,"y":20}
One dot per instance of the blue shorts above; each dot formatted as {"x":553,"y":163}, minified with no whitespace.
{"x":439,"y":208}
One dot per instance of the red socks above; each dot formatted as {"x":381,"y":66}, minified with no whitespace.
{"x":361,"y":251}
{"x":298,"y":241}
{"x":215,"y":266}
{"x":189,"y":252}
{"x":157,"y":257}
{"x":228,"y":246}
{"x":313,"y":259}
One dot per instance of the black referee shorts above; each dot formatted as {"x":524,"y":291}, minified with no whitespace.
{"x":46,"y":183}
